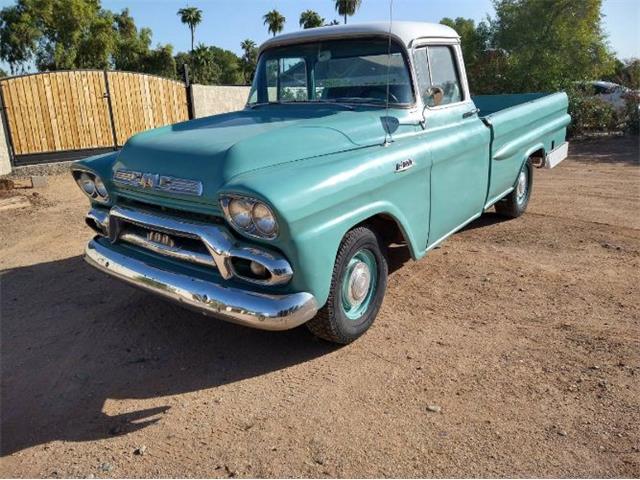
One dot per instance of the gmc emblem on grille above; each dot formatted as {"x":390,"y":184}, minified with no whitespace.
{"x":149,"y":180}
{"x":162,"y":238}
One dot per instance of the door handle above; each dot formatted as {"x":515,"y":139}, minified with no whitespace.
{"x":470,"y":113}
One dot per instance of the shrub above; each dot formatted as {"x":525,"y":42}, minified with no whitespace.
{"x":631,"y":117}
{"x":590,"y":114}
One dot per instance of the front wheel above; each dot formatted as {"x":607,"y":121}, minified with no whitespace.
{"x":358,"y":284}
{"x":514,"y":204}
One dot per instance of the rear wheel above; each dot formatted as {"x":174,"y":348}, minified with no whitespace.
{"x":515,"y":204}
{"x":358,"y":284}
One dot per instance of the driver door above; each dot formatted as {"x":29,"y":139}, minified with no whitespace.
{"x":457,"y":138}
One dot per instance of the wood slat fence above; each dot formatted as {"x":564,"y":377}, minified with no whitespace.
{"x":68,"y":114}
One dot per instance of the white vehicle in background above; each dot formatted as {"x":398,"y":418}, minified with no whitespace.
{"x":609,"y":92}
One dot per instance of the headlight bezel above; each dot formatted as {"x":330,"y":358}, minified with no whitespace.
{"x":81,"y":175}
{"x":251,"y":229}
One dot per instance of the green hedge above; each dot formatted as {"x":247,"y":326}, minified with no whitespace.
{"x":591,"y":115}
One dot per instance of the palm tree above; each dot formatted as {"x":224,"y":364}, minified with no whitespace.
{"x":347,"y":7}
{"x":275,"y":21}
{"x":248,"y":60}
{"x":248,"y":46}
{"x":191,"y":16}
{"x":310,"y":19}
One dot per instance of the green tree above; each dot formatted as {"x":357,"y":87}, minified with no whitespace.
{"x":69,"y":34}
{"x":229,"y":65}
{"x":211,"y":66}
{"x":203,"y":66}
{"x":627,"y":73}
{"x":18,"y":36}
{"x":347,"y":8}
{"x":310,"y":19}
{"x":2,"y":73}
{"x":550,"y":43}
{"x":483,"y":64}
{"x":57,"y":34}
{"x":132,"y":49}
{"x":131,"y":45}
{"x":249,"y":59}
{"x":274,"y":21}
{"x":191,"y":16}
{"x":159,"y":61}
{"x":474,"y":40}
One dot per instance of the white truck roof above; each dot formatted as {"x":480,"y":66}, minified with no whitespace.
{"x":404,"y":32}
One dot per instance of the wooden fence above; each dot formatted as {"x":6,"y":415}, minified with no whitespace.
{"x":59,"y":115}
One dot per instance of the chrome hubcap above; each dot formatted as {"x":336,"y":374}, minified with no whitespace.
{"x":358,"y":283}
{"x":521,"y":188}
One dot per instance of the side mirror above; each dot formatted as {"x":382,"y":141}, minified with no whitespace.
{"x":432,"y":98}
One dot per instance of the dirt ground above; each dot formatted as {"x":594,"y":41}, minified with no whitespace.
{"x":525,"y":334}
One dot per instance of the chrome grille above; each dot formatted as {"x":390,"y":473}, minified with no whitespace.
{"x":155,"y":181}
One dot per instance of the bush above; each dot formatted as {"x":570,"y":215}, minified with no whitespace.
{"x":631,"y":117}
{"x":590,"y":114}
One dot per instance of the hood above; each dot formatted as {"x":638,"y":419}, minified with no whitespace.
{"x":215,"y":149}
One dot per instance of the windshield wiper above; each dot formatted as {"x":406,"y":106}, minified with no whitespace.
{"x":262,"y":104}
{"x":331,"y":102}
{"x":361,"y":100}
{"x":297,"y":102}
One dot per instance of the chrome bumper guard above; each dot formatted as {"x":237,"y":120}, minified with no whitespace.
{"x":253,"y":309}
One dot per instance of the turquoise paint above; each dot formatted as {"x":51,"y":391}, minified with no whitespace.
{"x":324,"y":169}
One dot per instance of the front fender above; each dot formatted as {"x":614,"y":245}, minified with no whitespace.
{"x":319,"y":200}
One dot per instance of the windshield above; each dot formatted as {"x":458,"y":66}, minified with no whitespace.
{"x":345,"y":71}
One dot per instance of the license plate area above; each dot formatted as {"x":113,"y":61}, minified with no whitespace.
{"x":172,"y":244}
{"x":161,"y":238}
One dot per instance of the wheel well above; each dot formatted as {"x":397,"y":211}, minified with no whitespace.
{"x":387,"y":227}
{"x":537,"y":158}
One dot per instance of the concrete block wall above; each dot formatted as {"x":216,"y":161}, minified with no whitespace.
{"x":214,"y":99}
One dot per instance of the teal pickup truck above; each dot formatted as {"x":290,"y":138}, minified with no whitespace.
{"x":353,"y":137}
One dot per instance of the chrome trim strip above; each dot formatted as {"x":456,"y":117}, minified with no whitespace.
{"x":218,"y":242}
{"x":217,"y":239}
{"x":253,"y":309}
{"x":100,"y":217}
{"x":167,"y":251}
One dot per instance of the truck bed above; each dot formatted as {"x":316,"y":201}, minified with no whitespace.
{"x":521,"y":125}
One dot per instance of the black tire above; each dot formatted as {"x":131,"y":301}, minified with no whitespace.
{"x":332,"y":323}
{"x":515,"y":204}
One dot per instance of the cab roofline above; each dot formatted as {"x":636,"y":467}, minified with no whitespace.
{"x":403,"y":32}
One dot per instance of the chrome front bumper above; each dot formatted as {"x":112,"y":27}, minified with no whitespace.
{"x":258,"y":310}
{"x":254,"y":309}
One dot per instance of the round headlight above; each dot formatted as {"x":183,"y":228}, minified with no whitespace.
{"x":263,"y":219}
{"x":87,"y":184}
{"x":100,"y":188}
{"x":240,"y":212}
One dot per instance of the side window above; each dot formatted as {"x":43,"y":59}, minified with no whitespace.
{"x":423,"y":76}
{"x":444,"y":73}
{"x":286,"y":79}
{"x":438,"y":75}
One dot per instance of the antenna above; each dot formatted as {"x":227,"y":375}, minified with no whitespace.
{"x":387,"y":131}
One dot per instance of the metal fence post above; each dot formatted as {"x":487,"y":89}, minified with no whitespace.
{"x":107,"y":95}
{"x":187,"y":83}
